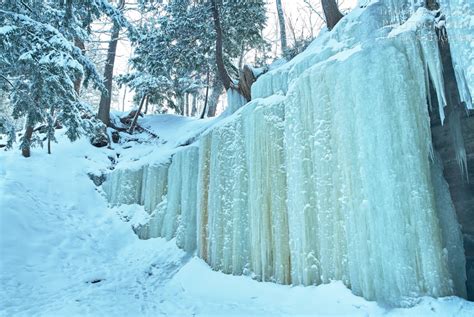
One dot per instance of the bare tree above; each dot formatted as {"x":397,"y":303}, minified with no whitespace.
{"x":281,"y":21}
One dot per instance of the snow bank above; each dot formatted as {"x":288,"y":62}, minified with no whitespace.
{"x":326,"y":174}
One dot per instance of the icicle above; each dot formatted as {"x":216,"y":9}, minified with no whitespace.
{"x":464,"y":93}
{"x":234,"y":101}
{"x":202,"y":217}
{"x":455,"y":130}
{"x":427,"y":85}
{"x":434,"y":66}
{"x":450,"y":228}
{"x":186,"y":232}
{"x":264,"y":141}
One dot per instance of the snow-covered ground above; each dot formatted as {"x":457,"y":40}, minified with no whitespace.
{"x":63,"y":252}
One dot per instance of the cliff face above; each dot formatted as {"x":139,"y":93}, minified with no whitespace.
{"x":455,"y":139}
{"x":328,"y":174}
{"x":462,"y":191}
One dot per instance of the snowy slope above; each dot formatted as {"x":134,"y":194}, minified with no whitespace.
{"x":57,"y":237}
{"x":175,"y":129}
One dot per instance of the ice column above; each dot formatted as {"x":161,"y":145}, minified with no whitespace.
{"x":264,"y":140}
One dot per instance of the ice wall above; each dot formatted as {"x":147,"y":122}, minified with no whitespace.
{"x":168,"y":193}
{"x":325,"y":175}
{"x":351,"y":184}
{"x":460,"y":28}
{"x":242,"y":214}
{"x":181,"y":207}
{"x":145,"y":186}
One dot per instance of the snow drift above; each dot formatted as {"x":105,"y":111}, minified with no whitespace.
{"x":328,"y":174}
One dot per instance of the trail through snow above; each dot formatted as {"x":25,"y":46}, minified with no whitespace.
{"x":63,"y":252}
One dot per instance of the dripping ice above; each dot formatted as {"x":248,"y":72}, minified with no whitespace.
{"x":303,"y":185}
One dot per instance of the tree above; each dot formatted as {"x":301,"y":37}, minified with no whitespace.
{"x":175,"y":56}
{"x":281,"y":22}
{"x":223,"y":74}
{"x":106,"y":97}
{"x":246,"y":78}
{"x":41,"y":64}
{"x":331,"y":12}
{"x":171,"y":55}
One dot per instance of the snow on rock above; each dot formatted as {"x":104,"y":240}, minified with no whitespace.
{"x":326,"y":174}
{"x":173,"y":128}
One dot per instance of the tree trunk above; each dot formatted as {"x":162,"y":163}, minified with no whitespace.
{"x":432,"y":5}
{"x":331,"y":12}
{"x":214,"y":99}
{"x":180,"y":104}
{"x":186,"y":105}
{"x":78,"y":82}
{"x":25,"y":151}
{"x":106,"y":97}
{"x":206,"y":99}
{"x":281,"y":22}
{"x":137,"y":114}
{"x":223,"y":74}
{"x":123,"y":97}
{"x":194,"y":105}
{"x":146,"y":105}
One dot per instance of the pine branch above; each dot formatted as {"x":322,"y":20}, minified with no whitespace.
{"x":6,"y":79}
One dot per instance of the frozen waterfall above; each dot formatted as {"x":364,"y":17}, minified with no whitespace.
{"x":328,"y":174}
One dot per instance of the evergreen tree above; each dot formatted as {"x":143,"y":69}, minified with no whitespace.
{"x":40,"y":64}
{"x":175,"y":55}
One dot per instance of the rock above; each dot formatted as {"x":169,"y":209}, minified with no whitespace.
{"x":97,"y":179}
{"x":115,"y":136}
{"x":99,"y":140}
{"x":127,"y":120}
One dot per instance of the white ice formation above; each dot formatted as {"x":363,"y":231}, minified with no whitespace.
{"x":328,"y":174}
{"x":460,"y":27}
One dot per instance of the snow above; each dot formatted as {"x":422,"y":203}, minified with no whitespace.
{"x":342,"y":56}
{"x":257,"y":71}
{"x":7,"y":29}
{"x":65,"y":253}
{"x":300,"y":186}
{"x":174,"y":128}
